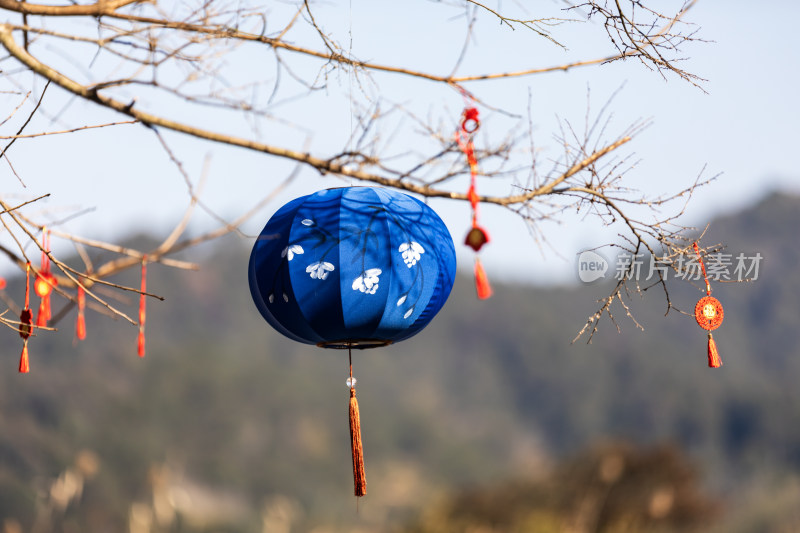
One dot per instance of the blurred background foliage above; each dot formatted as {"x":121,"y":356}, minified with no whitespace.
{"x":488,"y":421}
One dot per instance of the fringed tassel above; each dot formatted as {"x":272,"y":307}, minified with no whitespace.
{"x":714,"y":360}
{"x":24,"y":365}
{"x":142,"y":314}
{"x":44,"y":312}
{"x":80,"y":325}
{"x":482,"y":281}
{"x":359,"y":478}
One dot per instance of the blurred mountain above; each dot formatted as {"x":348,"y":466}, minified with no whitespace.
{"x":227,"y":426}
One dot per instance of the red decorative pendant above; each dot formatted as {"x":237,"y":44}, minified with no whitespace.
{"x":26,"y":323}
{"x":45,"y":281}
{"x":709,"y":314}
{"x":477,"y":236}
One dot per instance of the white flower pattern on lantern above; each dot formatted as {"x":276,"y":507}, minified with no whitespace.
{"x":307,"y":222}
{"x":368,"y":281}
{"x":319,"y":270}
{"x":292,"y":250}
{"x":409,"y":312}
{"x":411,"y":252}
{"x":401,"y":300}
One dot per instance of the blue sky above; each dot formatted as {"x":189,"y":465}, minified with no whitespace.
{"x":744,"y":128}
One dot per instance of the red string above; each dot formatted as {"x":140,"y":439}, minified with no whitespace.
{"x":703,"y":266}
{"x":27,"y":285}
{"x":45,"y":250}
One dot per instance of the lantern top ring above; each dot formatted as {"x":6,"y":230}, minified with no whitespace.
{"x":357,"y":344}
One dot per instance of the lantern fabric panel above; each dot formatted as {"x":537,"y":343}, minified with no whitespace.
{"x":352,"y":264}
{"x":269,"y":279}
{"x":366,"y":264}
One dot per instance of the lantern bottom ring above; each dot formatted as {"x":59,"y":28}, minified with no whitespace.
{"x":355,"y":344}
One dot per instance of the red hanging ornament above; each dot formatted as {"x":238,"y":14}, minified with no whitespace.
{"x":26,"y":322}
{"x":45,"y":281}
{"x":476,"y":236}
{"x":140,"y":339}
{"x":709,"y":314}
{"x":80,"y":324}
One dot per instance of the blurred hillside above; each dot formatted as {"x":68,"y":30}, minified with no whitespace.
{"x":228,"y":426}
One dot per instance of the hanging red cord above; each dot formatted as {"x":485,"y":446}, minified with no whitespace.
{"x":26,"y":322}
{"x":140,"y":340}
{"x":477,"y":235}
{"x":709,"y":314}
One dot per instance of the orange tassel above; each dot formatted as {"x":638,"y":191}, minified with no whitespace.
{"x":24,"y":366}
{"x":714,"y":360}
{"x":482,"y":281}
{"x":80,"y":325}
{"x":41,"y":316}
{"x":359,"y":477}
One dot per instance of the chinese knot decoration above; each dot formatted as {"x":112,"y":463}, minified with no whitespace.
{"x":709,"y":314}
{"x":477,"y":236}
{"x":354,"y":267}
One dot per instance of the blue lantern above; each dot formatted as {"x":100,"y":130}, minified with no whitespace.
{"x":354,"y":267}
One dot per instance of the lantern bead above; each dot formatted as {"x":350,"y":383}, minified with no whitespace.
{"x":351,"y":382}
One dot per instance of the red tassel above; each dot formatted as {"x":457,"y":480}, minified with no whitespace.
{"x":482,"y":281}
{"x":80,"y":325}
{"x":24,"y":366}
{"x":41,"y":316}
{"x":356,"y":446}
{"x":714,"y":360}
{"x":142,"y":314}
